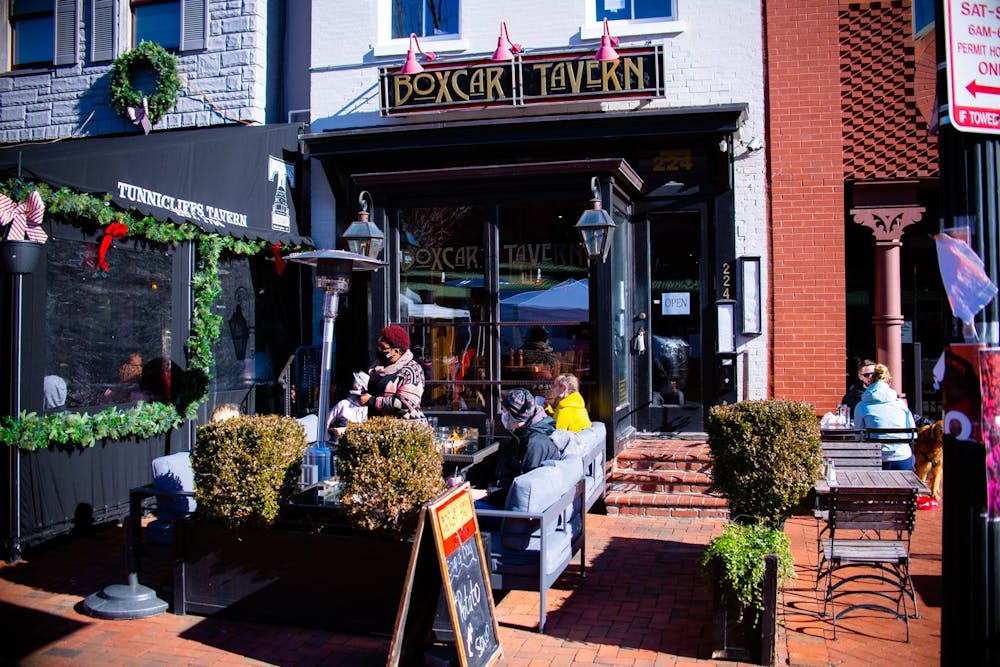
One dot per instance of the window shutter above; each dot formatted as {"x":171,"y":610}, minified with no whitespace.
{"x":103,"y":31}
{"x":4,"y":37}
{"x":67,"y":24}
{"x":194,"y":24}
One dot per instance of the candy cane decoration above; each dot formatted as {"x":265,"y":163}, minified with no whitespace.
{"x":25,"y":218}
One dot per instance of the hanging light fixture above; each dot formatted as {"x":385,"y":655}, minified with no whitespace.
{"x":595,"y":226}
{"x":363,"y":236}
{"x":411,"y":66}
{"x":608,"y":42}
{"x":506,"y":49}
{"x":239,"y":329}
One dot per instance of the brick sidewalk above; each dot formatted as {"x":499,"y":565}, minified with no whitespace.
{"x":643,"y":602}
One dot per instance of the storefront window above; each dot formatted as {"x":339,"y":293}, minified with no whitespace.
{"x":108,"y":334}
{"x":544,"y":296}
{"x":443,"y":302}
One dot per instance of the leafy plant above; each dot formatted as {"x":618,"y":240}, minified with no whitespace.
{"x":766,"y":455}
{"x":246,"y":468}
{"x":737,"y":557}
{"x":30,"y":431}
{"x":389,"y":467}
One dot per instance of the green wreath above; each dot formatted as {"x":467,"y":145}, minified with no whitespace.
{"x":168,"y":81}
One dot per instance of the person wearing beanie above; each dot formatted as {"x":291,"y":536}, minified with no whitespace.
{"x":396,"y":383}
{"x":348,"y":410}
{"x":565,"y":404}
{"x":530,"y":443}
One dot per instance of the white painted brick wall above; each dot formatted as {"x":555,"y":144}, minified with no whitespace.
{"x":225,"y":83}
{"x":716,"y":59}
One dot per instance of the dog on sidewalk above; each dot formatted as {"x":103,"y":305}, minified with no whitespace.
{"x":929,"y":453}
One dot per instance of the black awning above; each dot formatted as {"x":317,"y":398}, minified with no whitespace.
{"x":237,"y":180}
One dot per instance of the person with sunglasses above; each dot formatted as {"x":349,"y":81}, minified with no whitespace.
{"x":866,"y":369}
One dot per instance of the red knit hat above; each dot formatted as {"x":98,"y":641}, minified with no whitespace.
{"x":396,"y":336}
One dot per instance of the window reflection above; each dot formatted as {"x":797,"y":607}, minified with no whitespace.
{"x":543,"y":301}
{"x":108,"y":335}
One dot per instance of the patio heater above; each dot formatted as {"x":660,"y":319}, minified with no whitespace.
{"x":333,"y":277}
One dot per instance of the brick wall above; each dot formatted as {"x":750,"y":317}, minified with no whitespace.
{"x":807,"y":202}
{"x":224,"y":83}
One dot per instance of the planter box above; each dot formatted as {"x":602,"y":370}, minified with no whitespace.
{"x":752,"y":638}
{"x":289,"y":576}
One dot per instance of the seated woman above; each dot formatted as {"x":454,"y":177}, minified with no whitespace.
{"x":565,"y":404}
{"x":881,"y":407}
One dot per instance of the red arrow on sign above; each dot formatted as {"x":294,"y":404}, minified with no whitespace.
{"x":977,"y":88}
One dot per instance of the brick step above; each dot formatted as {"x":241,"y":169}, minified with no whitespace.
{"x":668,"y":477}
{"x":659,"y":481}
{"x":678,"y":505}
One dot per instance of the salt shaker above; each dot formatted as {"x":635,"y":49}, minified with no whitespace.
{"x":831,"y":472}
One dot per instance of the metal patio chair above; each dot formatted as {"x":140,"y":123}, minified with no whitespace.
{"x":869,"y":541}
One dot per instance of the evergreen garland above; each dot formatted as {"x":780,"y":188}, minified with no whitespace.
{"x":144,"y":420}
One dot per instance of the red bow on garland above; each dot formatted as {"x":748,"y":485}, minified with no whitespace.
{"x":279,"y":261}
{"x":115,"y":230}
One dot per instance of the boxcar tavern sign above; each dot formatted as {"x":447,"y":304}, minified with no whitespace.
{"x":528,"y":79}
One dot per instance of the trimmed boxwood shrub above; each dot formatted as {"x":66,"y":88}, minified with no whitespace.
{"x":389,"y":467}
{"x":766,"y":455}
{"x":246,"y":468}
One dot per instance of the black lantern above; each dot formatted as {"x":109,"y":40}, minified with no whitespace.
{"x":239,"y":329}
{"x":363,"y":236}
{"x":596,"y":226}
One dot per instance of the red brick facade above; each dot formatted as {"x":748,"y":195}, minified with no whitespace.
{"x":807,"y":201}
{"x":843,"y":89}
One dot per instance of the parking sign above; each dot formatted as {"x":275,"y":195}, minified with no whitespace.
{"x":972,"y":38}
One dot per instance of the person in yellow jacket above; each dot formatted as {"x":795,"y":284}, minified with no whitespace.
{"x":566,"y":405}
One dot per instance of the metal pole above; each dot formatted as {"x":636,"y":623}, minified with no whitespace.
{"x":330,"y":303}
{"x":14,"y":555}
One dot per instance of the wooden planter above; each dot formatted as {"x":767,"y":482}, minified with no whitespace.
{"x":289,"y":576}
{"x":752,"y":638}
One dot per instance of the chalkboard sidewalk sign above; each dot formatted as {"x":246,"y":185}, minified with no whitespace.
{"x":447,"y":555}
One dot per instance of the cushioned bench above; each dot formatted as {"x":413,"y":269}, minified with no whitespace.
{"x":542,"y":526}
{"x":591,"y":446}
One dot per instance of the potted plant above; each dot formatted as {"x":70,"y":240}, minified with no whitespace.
{"x":389,"y":467}
{"x":765,"y":457}
{"x":735,"y":563}
{"x":257,"y":549}
{"x":22,"y":235}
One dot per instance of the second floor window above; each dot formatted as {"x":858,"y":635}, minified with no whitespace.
{"x":157,"y":21}
{"x":33,"y":32}
{"x":615,"y":10}
{"x":424,"y":17}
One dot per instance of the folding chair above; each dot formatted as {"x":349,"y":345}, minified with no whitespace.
{"x":876,"y":549}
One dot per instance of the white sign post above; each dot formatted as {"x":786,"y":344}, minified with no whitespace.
{"x":972,"y":39}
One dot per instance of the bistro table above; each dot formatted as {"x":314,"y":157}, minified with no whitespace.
{"x":464,"y":460}
{"x":875,"y":480}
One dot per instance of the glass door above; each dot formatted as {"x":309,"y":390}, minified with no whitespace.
{"x":677,"y":298}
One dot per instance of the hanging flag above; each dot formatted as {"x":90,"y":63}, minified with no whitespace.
{"x":968,"y":287}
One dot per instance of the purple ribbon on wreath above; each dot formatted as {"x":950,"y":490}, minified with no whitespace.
{"x":140,"y":116}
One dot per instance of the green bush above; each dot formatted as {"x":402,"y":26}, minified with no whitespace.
{"x":738,"y":553}
{"x":766,"y":455}
{"x":246,"y":468}
{"x":389,"y":467}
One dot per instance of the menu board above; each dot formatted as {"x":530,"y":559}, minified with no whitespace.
{"x":448,"y":533}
